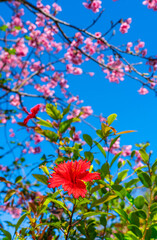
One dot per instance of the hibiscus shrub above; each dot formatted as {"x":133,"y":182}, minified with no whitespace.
{"x":82,"y":198}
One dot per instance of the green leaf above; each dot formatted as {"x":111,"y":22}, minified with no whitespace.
{"x":114,"y":140}
{"x":41,"y":178}
{"x":53,"y":112}
{"x":106,"y":198}
{"x":115,"y":158}
{"x":134,"y":219}
{"x":141,"y":214}
{"x":100,"y":148}
{"x":88,"y":139}
{"x":144,"y":155}
{"x":6,"y":233}
{"x":3,"y":28}
{"x":145,"y":179}
{"x":27,"y":37}
{"x":44,"y":123}
{"x":89,"y":156}
{"x":111,"y":118}
{"x":9,"y":195}
{"x":131,"y":182}
{"x":21,"y":219}
{"x":105,"y":169}
{"x":135,"y":230}
{"x":18,"y":179}
{"x":99,"y":133}
{"x":96,"y":188}
{"x":122,"y":213}
{"x":51,"y":135}
{"x":121,"y":176}
{"x":139,"y":202}
{"x":63,"y":126}
{"x":66,"y":110}
{"x":89,"y":214}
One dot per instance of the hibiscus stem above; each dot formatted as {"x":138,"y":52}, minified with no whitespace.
{"x":70,"y":222}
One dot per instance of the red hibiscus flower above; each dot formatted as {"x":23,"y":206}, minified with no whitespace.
{"x":33,"y":113}
{"x":72,"y":175}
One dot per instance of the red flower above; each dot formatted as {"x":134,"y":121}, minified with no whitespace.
{"x":33,"y":113}
{"x":72,"y":175}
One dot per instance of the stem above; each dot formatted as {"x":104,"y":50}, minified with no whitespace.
{"x":70,"y":222}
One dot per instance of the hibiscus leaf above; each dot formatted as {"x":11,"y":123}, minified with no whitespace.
{"x":53,"y":112}
{"x":9,"y":195}
{"x":41,"y":178}
{"x":106,"y":198}
{"x":44,"y":123}
{"x":20,"y":221}
{"x":63,"y":126}
{"x":88,"y":139}
{"x":89,"y":214}
{"x":6,"y":233}
{"x":100,"y":148}
{"x":111,"y":118}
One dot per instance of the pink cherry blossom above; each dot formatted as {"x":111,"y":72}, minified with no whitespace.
{"x":143,"y":91}
{"x":125,"y":26}
{"x":94,"y":5}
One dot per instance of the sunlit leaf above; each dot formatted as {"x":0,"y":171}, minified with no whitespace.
{"x":6,"y":233}
{"x":111,"y":118}
{"x":41,"y":178}
{"x":9,"y":194}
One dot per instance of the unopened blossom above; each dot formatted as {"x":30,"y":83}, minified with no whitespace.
{"x":72,"y":175}
{"x":143,"y":91}
{"x":33,"y":113}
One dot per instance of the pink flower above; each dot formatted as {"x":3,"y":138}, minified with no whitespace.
{"x":143,"y":91}
{"x":125,"y":26}
{"x":33,"y":113}
{"x":94,"y":5}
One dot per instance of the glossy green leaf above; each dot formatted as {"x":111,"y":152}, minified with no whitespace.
{"x":21,"y":219}
{"x":90,"y":214}
{"x":131,"y":182}
{"x":89,"y":156}
{"x":18,"y":179}
{"x":134,"y":219}
{"x":66,"y":110}
{"x":139,"y":202}
{"x":53,"y":112}
{"x":63,"y":126}
{"x":145,"y":179}
{"x":144,"y":155}
{"x":106,"y":198}
{"x":111,"y":118}
{"x":122,"y":213}
{"x":141,"y":214}
{"x":44,"y":123}
{"x":88,"y":139}
{"x":96,"y":188}
{"x":121,"y":176}
{"x":50,"y":135}
{"x":115,"y":158}
{"x":105,"y":169}
{"x":9,"y":194}
{"x":100,"y":148}
{"x":41,"y":178}
{"x":114,"y":140}
{"x":135,"y":230}
{"x":6,"y":233}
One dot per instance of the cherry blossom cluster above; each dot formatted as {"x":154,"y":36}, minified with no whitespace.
{"x":151,"y":4}
{"x":94,"y":5}
{"x":125,"y":26}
